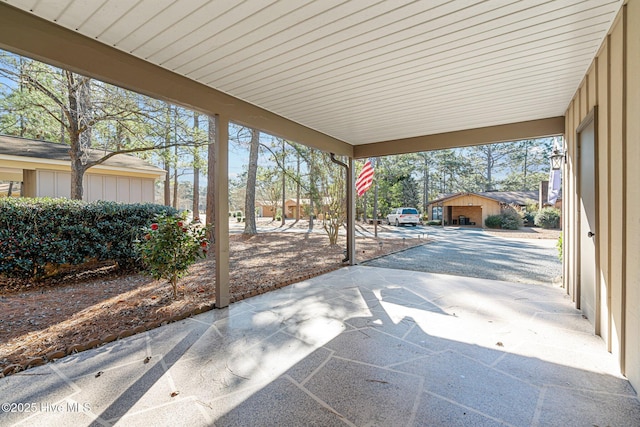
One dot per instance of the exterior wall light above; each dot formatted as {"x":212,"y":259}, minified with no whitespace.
{"x":556,"y":158}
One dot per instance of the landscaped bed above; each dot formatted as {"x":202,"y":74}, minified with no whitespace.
{"x":45,"y":321}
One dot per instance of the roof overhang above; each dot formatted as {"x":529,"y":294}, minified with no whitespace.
{"x":11,"y":168}
{"x":479,"y":136}
{"x":28,"y":35}
{"x":459,"y":195}
{"x":352,"y":78}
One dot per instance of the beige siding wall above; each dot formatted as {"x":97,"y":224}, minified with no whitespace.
{"x":119,"y":189}
{"x":467,"y":205}
{"x":632,"y":196}
{"x":604,"y":208}
{"x":29,"y":183}
{"x":96,"y":187}
{"x":53,"y":184}
{"x":612,"y":85}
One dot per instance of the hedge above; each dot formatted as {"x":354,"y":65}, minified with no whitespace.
{"x":509,"y":219}
{"x":548,"y":218}
{"x":493,"y":221}
{"x":38,"y":235}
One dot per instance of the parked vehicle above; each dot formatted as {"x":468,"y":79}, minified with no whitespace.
{"x":401,"y":216}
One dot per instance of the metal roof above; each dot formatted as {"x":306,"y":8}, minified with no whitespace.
{"x":362,"y":71}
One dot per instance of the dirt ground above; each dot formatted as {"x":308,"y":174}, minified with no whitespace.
{"x":526,"y":233}
{"x":45,"y":321}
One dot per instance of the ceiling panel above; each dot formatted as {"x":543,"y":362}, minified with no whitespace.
{"x":362,"y":72}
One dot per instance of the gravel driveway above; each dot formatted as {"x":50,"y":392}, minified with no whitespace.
{"x":474,"y":253}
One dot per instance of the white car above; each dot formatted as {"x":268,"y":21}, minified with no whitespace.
{"x":401,"y":216}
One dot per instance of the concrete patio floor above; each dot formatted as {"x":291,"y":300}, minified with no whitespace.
{"x":359,"y":346}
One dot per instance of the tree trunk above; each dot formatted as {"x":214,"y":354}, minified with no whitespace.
{"x":298,"y":190}
{"x":375,"y":209}
{"x":167,"y":164}
{"x":22,"y":119}
{"x":211,"y":177}
{"x":284,"y":188}
{"x":78,"y":168}
{"x":489,"y":186}
{"x":364,"y":208}
{"x":174,"y":284}
{"x":167,"y":184}
{"x":250,"y":197}
{"x":524,"y":171}
{"x":196,"y":169}
{"x":175,"y":156}
{"x":312,"y":188}
{"x":77,"y":175}
{"x":175,"y":186}
{"x":427,"y":184}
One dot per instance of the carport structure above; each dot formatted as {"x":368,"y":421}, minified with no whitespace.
{"x":364,"y":79}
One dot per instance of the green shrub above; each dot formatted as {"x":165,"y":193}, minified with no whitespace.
{"x":559,"y":246}
{"x":548,"y":218}
{"x":528,"y":218}
{"x":493,"y":221}
{"x":39,"y":235}
{"x":510,"y":219}
{"x":434,"y":222}
{"x":170,"y":246}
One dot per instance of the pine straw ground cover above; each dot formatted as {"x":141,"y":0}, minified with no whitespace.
{"x":45,"y":321}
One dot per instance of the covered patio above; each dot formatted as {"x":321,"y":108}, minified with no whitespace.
{"x":359,"y":346}
{"x":364,"y":80}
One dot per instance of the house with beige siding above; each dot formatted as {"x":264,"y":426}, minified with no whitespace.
{"x":472,"y":209}
{"x":43,"y":169}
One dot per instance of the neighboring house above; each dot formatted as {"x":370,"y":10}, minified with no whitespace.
{"x":474,"y":208}
{"x":43,"y":169}
{"x":266,"y":208}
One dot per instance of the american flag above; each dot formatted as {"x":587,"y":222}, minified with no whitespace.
{"x":365,"y":179}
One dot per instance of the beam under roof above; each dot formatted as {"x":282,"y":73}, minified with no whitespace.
{"x":28,"y":35}
{"x":502,"y":133}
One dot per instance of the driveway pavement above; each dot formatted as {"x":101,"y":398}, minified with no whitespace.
{"x":474,"y":253}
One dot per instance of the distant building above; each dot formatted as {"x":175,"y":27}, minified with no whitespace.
{"x":265,"y":208}
{"x":474,"y":208}
{"x":43,"y":169}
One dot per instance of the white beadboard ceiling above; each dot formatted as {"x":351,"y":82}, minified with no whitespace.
{"x":362,"y":71}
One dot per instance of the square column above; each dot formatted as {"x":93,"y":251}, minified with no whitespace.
{"x":351,"y":212}
{"x":221,"y":209}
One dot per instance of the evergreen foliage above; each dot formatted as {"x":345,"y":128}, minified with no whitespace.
{"x":38,"y":236}
{"x":548,"y":218}
{"x":493,"y":221}
{"x":509,"y":219}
